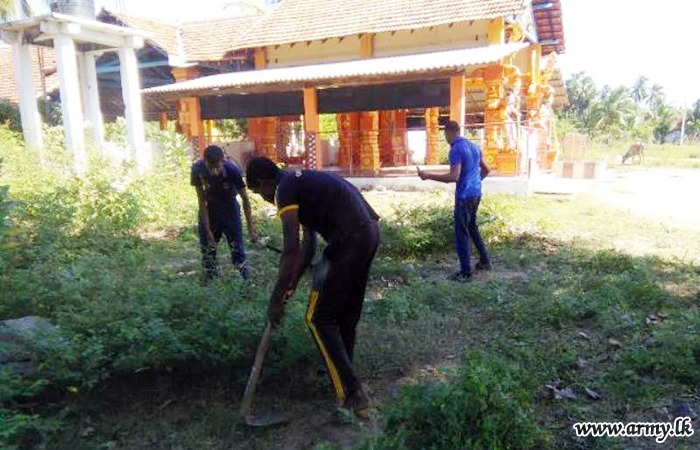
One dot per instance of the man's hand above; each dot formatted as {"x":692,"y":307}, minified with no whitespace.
{"x":210,"y":238}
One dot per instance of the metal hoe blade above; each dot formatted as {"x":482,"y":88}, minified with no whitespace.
{"x":267,"y":419}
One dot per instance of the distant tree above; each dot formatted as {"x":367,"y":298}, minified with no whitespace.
{"x":614,"y":112}
{"x":582,"y":95}
{"x":657,"y":97}
{"x":640,"y":90}
{"x":9,"y":9}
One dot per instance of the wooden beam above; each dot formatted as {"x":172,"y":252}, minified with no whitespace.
{"x":367,"y":45}
{"x":497,"y":31}
{"x":260,"y":58}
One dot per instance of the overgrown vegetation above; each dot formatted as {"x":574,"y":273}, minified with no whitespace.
{"x":112,"y":259}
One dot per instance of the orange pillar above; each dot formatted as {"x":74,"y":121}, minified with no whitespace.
{"x":457,"y":102}
{"x":369,"y":143}
{"x":189,"y":113}
{"x":493,"y":126}
{"x":392,"y":137}
{"x":348,"y":134}
{"x":432,"y":131}
{"x":312,"y":126}
{"x":263,"y":131}
{"x":163,"y":120}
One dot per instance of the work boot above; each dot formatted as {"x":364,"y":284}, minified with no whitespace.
{"x":358,"y":402}
{"x":482,"y":266}
{"x":460,"y":277}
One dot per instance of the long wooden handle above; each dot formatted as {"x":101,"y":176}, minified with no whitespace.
{"x":255,"y":372}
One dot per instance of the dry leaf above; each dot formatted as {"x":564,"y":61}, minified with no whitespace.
{"x":581,"y":363}
{"x":567,"y":393}
{"x":584,"y":335}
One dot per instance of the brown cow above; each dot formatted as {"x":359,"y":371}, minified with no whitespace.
{"x":635,"y":150}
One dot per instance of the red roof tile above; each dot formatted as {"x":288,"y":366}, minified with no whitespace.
{"x":8,"y":84}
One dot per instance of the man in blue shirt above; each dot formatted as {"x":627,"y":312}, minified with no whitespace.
{"x":217,"y":182}
{"x":467,"y":169}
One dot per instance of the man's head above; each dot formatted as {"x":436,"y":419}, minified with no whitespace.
{"x":214,"y":159}
{"x":451,"y":131}
{"x":261,"y":176}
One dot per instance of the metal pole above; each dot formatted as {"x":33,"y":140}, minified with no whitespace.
{"x":683,"y":125}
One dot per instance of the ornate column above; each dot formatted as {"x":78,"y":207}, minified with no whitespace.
{"x":369,"y":143}
{"x":314,"y":154}
{"x":392,"y":137}
{"x":432,"y":131}
{"x":348,"y":134}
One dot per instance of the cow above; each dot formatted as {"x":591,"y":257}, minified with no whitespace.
{"x":635,"y":150}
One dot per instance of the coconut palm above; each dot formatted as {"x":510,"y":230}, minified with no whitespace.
{"x":657,"y":97}
{"x":582,"y":95}
{"x":614,"y":112}
{"x":639,"y":90}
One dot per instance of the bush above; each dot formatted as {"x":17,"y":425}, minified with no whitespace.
{"x":484,"y":405}
{"x":9,"y":116}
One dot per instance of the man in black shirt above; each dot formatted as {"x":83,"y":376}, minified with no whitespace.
{"x":217,"y":182}
{"x":327,"y":204}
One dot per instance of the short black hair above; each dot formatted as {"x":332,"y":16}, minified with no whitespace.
{"x":260,"y":168}
{"x":213,"y":154}
{"x":452,"y":126}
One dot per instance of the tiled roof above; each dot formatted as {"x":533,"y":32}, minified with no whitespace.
{"x":213,"y":40}
{"x":8,"y":84}
{"x":307,"y":20}
{"x":550,"y":25}
{"x":210,"y":40}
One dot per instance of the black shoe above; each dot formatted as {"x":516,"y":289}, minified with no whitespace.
{"x":460,"y":276}
{"x":482,"y":266}
{"x":358,"y":403}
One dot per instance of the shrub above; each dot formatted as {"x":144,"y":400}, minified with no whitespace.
{"x":483,"y":405}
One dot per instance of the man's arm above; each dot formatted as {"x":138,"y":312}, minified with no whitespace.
{"x":204,"y":215}
{"x":248,"y":215}
{"x":289,"y":264}
{"x":450,"y":177}
{"x":484,"y":167}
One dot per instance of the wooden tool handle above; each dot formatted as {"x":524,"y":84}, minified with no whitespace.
{"x":255,"y":372}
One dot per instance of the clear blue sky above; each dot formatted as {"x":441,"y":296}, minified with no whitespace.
{"x":615,"y":41}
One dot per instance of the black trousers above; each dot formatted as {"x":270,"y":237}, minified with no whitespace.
{"x":335,"y":305}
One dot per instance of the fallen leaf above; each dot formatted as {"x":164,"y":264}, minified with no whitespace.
{"x":654,"y":319}
{"x":89,"y":431}
{"x":593,"y":394}
{"x":614,"y":342}
{"x":581,"y":363}
{"x":584,"y":335}
{"x":566,"y":393}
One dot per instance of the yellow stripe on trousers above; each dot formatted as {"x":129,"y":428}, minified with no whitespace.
{"x":335,"y":376}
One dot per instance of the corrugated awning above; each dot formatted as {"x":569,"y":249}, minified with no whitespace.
{"x":335,"y":73}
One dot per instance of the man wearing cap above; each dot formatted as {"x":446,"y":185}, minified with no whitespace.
{"x":323,"y":203}
{"x":217,"y":182}
{"x":467,"y":169}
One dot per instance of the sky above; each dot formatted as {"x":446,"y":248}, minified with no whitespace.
{"x":614,"y":41}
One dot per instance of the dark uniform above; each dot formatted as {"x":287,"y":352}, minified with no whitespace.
{"x":224,"y":214}
{"x":334,"y":208}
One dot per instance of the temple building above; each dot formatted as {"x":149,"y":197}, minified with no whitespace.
{"x":384,"y":67}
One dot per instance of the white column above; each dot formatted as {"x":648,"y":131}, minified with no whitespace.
{"x":91,"y":96}
{"x":133,"y":108}
{"x":31,"y":120}
{"x":71,"y":104}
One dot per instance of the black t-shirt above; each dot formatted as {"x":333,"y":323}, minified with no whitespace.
{"x":327,"y":203}
{"x":219,"y":190}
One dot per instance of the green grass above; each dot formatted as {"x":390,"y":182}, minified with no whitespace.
{"x":656,"y":155}
{"x":153,"y":359}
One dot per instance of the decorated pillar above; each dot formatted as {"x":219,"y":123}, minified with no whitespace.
{"x":312,"y":126}
{"x":392,"y":138}
{"x":432,"y":130}
{"x":369,"y":143}
{"x":348,"y":134}
{"x":189,"y":113}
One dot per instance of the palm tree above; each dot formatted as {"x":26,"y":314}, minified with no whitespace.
{"x":639,"y":90}
{"x":657,"y":97}
{"x":10,"y":9}
{"x":614,"y":112}
{"x":582,"y":95}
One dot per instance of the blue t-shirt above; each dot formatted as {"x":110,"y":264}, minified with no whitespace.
{"x":467,"y":154}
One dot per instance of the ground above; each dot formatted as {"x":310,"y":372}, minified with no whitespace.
{"x":589,"y":285}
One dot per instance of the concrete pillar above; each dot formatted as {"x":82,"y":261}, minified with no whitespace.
{"x":91,"y":96}
{"x":71,"y":107}
{"x":133,"y":108}
{"x":31,"y":120}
